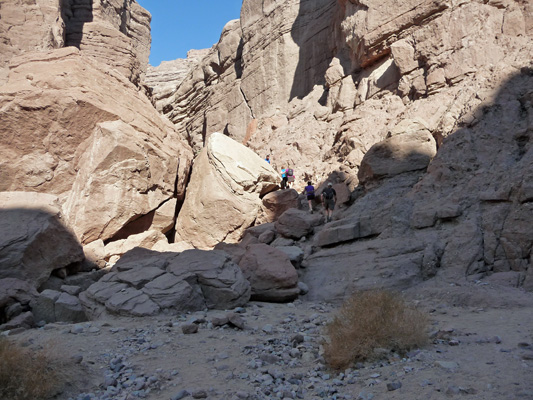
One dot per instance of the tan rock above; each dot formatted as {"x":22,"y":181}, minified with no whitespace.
{"x":121,"y":176}
{"x":59,"y":115}
{"x":276,"y":203}
{"x":270,"y":273}
{"x":223,"y":198}
{"x":145,"y":240}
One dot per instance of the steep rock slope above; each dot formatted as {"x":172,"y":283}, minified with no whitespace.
{"x":423,"y":109}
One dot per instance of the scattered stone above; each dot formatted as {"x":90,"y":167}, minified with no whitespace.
{"x":393,"y":386}
{"x":449,"y":365}
{"x":181,"y":395}
{"x":188,"y":329}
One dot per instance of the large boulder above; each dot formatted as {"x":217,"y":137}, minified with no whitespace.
{"x":91,"y":137}
{"x":408,"y":149}
{"x":34,"y":240}
{"x":296,"y":224}
{"x":224,"y":195}
{"x":270,"y":272}
{"x":145,"y":282}
{"x":276,"y":203}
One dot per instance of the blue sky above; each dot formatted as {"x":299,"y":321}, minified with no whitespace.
{"x":181,"y":25}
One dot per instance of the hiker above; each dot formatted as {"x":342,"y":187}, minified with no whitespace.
{"x":329,"y":197}
{"x":290,"y":176}
{"x":267,"y":159}
{"x":283,"y":178}
{"x":310,"y":192}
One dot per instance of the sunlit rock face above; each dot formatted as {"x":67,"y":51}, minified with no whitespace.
{"x":224,"y":195}
{"x":423,"y":109}
{"x":74,"y":122}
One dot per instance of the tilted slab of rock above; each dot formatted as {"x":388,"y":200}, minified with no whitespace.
{"x":223,"y":197}
{"x":33,"y":238}
{"x":86,"y":133}
{"x":334,"y":274}
{"x":145,"y":282}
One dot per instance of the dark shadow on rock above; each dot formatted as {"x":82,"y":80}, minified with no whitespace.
{"x":34,"y":243}
{"x":313,"y":31}
{"x":75,"y":13}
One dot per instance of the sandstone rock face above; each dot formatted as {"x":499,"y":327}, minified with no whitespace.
{"x":33,"y":240}
{"x":114,"y":32}
{"x":223,"y":198}
{"x":28,"y":27}
{"x":144,"y":283}
{"x":108,"y":155}
{"x":415,"y":105}
{"x":164,"y":79}
{"x":74,"y":124}
{"x":214,"y":79}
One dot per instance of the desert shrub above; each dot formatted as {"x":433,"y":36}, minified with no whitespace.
{"x":26,"y":374}
{"x":371,"y":320}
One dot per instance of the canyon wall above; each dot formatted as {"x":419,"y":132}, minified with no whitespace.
{"x":74,"y":121}
{"x":422,"y":109}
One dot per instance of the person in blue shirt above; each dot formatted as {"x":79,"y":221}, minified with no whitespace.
{"x":267,"y":159}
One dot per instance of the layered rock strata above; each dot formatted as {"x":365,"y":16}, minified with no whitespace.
{"x":146,"y":283}
{"x":420,"y":109}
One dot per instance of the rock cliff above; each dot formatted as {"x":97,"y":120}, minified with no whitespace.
{"x":74,"y":122}
{"x":422,"y":109}
{"x":419,"y":113}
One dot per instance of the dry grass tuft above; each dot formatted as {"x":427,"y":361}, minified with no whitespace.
{"x":371,"y":320}
{"x":26,"y":374}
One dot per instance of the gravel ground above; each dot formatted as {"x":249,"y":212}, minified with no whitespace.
{"x":273,"y":351}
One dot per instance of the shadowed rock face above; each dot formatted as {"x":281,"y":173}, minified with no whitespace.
{"x":145,"y":283}
{"x":33,"y":239}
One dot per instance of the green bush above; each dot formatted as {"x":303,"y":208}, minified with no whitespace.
{"x":371,"y":320}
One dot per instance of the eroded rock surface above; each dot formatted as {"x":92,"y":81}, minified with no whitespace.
{"x":224,"y":195}
{"x":145,"y":282}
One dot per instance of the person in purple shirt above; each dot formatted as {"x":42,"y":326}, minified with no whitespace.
{"x":310,"y":192}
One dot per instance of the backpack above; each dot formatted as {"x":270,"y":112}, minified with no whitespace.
{"x":310,"y":191}
{"x":289,"y":172}
{"x":329,"y":193}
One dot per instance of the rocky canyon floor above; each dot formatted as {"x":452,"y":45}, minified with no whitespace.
{"x":480,"y":351}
